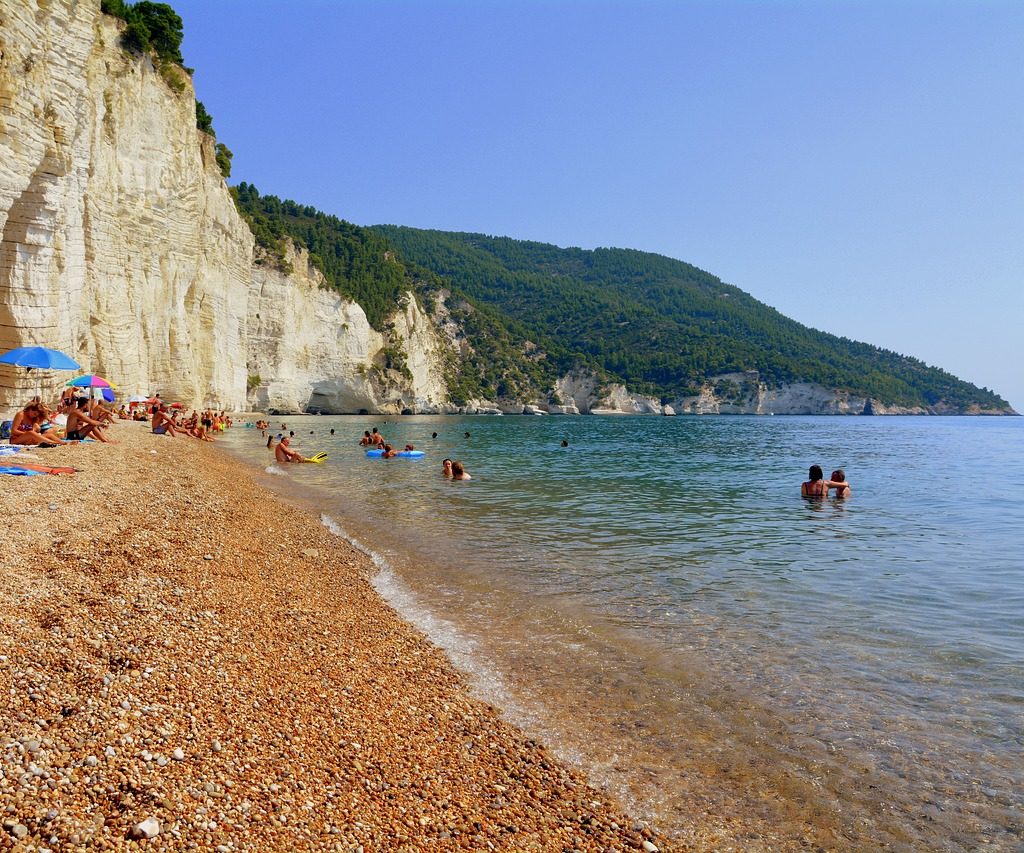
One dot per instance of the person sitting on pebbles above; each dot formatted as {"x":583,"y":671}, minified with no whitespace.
{"x":80,"y":425}
{"x":26,"y":427}
{"x":163,"y":424}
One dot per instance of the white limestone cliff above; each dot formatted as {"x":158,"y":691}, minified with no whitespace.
{"x":121,"y":245}
{"x":310,"y":348}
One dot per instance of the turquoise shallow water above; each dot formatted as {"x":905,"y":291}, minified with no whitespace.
{"x":659,"y":603}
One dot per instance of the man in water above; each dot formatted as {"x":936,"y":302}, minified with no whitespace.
{"x":838,"y":482}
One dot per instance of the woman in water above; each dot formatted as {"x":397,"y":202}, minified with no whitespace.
{"x":446,"y":468}
{"x":459,"y":473}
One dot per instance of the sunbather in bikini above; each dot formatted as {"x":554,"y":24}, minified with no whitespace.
{"x":25,"y":429}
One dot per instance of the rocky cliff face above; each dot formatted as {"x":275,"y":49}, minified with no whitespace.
{"x":308,"y":348}
{"x":120,"y":244}
{"x":122,"y":247}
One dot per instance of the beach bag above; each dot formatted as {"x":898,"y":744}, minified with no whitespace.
{"x":5,"y":429}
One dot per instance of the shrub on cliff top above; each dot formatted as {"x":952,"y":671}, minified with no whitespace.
{"x":151,"y":27}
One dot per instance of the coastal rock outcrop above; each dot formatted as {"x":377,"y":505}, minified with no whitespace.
{"x":309,"y":348}
{"x":121,"y":245}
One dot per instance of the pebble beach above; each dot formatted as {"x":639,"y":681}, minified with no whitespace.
{"x":188,"y":663}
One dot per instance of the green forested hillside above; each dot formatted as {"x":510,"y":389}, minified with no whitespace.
{"x":532,"y":312}
{"x":662,"y":326}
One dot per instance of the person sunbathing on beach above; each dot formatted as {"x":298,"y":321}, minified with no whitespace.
{"x":459,"y":473}
{"x":80,"y":425}
{"x":193,"y":428}
{"x":98,"y":412}
{"x":162,"y":423}
{"x":42,"y":469}
{"x":283,"y":453}
{"x":26,"y":427}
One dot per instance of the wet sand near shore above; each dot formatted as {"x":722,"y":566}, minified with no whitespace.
{"x":188,"y":663}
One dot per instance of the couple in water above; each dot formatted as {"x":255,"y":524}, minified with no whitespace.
{"x":454,"y":470}
{"x":817,"y":486}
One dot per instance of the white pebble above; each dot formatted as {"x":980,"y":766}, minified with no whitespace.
{"x":178,"y":754}
{"x":149,"y":828}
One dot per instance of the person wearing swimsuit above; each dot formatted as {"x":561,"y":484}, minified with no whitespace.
{"x":815,"y":487}
{"x":25,"y":428}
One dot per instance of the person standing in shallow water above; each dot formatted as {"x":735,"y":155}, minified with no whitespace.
{"x":838,"y":481}
{"x":817,"y":486}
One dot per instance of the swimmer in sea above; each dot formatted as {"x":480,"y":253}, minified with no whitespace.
{"x":389,"y":452}
{"x":815,"y":486}
{"x":446,"y":468}
{"x":838,"y":482}
{"x":459,"y":473}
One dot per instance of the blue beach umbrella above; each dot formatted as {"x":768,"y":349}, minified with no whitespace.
{"x":41,"y":357}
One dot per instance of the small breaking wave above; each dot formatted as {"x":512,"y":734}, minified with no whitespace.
{"x":460,"y":649}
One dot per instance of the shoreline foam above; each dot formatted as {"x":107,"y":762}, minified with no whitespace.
{"x":180,"y":645}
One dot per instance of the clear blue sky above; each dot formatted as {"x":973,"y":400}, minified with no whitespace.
{"x":857,"y":165}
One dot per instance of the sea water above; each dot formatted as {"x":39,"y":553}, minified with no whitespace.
{"x":657,"y":603}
